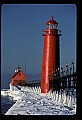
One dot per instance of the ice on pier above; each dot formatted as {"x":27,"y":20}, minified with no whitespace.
{"x":32,"y":102}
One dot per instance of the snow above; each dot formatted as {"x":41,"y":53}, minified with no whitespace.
{"x":31,"y":101}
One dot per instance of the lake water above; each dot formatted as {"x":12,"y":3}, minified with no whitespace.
{"x":6,"y":103}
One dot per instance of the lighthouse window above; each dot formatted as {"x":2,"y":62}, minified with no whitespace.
{"x":55,"y":26}
{"x":47,"y":26}
{"x":52,"y":26}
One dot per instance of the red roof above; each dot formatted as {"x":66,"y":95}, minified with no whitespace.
{"x":52,"y":21}
{"x":17,"y":73}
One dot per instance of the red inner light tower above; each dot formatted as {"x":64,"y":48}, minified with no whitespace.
{"x":51,"y":53}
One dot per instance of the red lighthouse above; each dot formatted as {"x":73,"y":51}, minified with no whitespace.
{"x":51,"y":54}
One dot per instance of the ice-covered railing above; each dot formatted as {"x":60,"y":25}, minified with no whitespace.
{"x":35,"y":89}
{"x":68,"y":100}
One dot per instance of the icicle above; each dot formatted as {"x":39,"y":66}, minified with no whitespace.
{"x":70,"y":104}
{"x":51,"y":95}
{"x":73,"y":101}
{"x":35,"y":89}
{"x":63,"y":96}
{"x":31,"y":90}
{"x":39,"y":90}
{"x":57,"y":96}
{"x":48,"y":94}
{"x":65,"y":100}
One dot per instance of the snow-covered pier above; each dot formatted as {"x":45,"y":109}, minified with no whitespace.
{"x":32,"y":102}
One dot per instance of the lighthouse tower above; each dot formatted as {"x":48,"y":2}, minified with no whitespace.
{"x":51,"y":53}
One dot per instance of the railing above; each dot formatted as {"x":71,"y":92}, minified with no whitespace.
{"x":51,"y":32}
{"x":35,"y":82}
{"x":63,"y":80}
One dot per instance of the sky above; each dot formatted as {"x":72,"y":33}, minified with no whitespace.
{"x":21,"y":34}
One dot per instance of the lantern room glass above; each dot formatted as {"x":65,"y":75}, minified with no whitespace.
{"x":51,"y":26}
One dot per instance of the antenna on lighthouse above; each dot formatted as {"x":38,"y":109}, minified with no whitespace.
{"x":25,"y":67}
{"x":52,"y":17}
